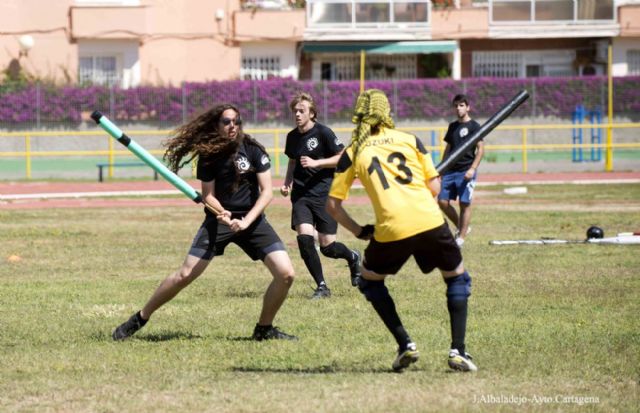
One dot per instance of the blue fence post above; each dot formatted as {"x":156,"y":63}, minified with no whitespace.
{"x":595,"y":116}
{"x":578,"y":116}
{"x":435,"y":154}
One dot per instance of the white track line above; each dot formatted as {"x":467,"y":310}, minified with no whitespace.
{"x":100,"y":194}
{"x":577,"y":182}
{"x":55,"y":195}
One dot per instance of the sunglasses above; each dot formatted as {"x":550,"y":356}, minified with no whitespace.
{"x":227,"y":121}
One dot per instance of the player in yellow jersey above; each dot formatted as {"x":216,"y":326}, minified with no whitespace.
{"x":399,"y":177}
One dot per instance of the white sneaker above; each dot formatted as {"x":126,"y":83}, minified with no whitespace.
{"x":461,"y":363}
{"x":457,"y":233}
{"x":405,"y":357}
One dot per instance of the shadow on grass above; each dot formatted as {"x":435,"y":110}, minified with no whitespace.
{"x":243,"y":294}
{"x":158,"y":337}
{"x":249,"y":338}
{"x":168,"y":336}
{"x":320,"y":370}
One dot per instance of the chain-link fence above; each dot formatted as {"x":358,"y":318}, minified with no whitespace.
{"x":265,"y":103}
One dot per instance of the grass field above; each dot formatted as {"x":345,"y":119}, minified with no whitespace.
{"x":551,"y":328}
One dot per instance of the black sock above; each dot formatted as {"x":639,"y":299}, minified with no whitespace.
{"x":337,"y":250}
{"x":310,"y":257}
{"x":458,"y":316}
{"x":386,"y":309}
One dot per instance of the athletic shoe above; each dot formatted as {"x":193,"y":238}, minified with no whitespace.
{"x":457,"y":233}
{"x":354,"y":268}
{"x":270,"y":333}
{"x":461,"y":363}
{"x":321,"y":292}
{"x":406,"y":356}
{"x":128,"y":328}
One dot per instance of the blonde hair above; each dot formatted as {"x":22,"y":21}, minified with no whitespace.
{"x":372,"y":111}
{"x":304,"y":96}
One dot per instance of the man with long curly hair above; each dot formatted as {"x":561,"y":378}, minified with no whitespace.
{"x":398,"y":174}
{"x":234,"y":170}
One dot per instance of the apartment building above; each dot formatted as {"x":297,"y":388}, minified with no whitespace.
{"x":499,"y":38}
{"x":166,"y":42}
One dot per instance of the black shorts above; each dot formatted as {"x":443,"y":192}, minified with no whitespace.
{"x":431,"y":249}
{"x":257,"y":241}
{"x":312,"y":211}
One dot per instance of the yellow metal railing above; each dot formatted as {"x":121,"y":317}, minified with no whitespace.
{"x":525,"y":147}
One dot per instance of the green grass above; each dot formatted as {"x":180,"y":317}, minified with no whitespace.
{"x":552,"y":324}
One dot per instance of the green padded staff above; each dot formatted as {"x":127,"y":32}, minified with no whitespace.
{"x":149,"y":159}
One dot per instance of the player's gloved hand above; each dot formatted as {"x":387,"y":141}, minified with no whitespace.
{"x":366,"y":232}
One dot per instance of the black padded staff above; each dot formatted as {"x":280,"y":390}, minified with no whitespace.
{"x":484,"y":130}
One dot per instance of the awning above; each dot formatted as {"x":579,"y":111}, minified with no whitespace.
{"x":447,"y":46}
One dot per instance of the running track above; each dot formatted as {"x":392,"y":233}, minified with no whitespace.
{"x":38,"y":195}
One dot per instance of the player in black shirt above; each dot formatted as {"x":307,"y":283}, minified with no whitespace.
{"x":313,"y":150}
{"x":460,"y":180}
{"x":234,"y":172}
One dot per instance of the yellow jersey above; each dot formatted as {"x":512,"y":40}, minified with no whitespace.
{"x":394,"y":168}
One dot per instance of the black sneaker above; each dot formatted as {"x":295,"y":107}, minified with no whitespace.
{"x":270,"y":333}
{"x":354,"y":268}
{"x":129,"y":327}
{"x":321,"y":292}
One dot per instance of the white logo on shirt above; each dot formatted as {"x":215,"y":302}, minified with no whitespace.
{"x":264,"y":160}
{"x":242,"y":164}
{"x":464,"y":132}
{"x":312,"y":143}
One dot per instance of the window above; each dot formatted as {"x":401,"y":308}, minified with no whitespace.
{"x":533,"y":63}
{"x":407,"y":12}
{"x":364,"y":14}
{"x":329,"y":13}
{"x":372,"y":13}
{"x":325,"y":71}
{"x":109,"y":62}
{"x":496,"y":64}
{"x":554,"y":10}
{"x":345,"y":66}
{"x":545,"y":11}
{"x":633,"y":60}
{"x":533,"y":71}
{"x":99,"y":70}
{"x":260,"y":68}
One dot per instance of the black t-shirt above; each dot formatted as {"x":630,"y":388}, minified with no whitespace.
{"x":248,"y":162}
{"x":319,"y":142}
{"x":457,"y":134}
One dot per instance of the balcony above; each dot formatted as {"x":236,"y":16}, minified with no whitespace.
{"x":552,"y":18}
{"x":367,"y":20}
{"x":107,"y":22}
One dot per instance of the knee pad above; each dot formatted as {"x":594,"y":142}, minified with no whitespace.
{"x":373,"y":290}
{"x":307,"y":245}
{"x":459,"y":287}
{"x":329,"y":251}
